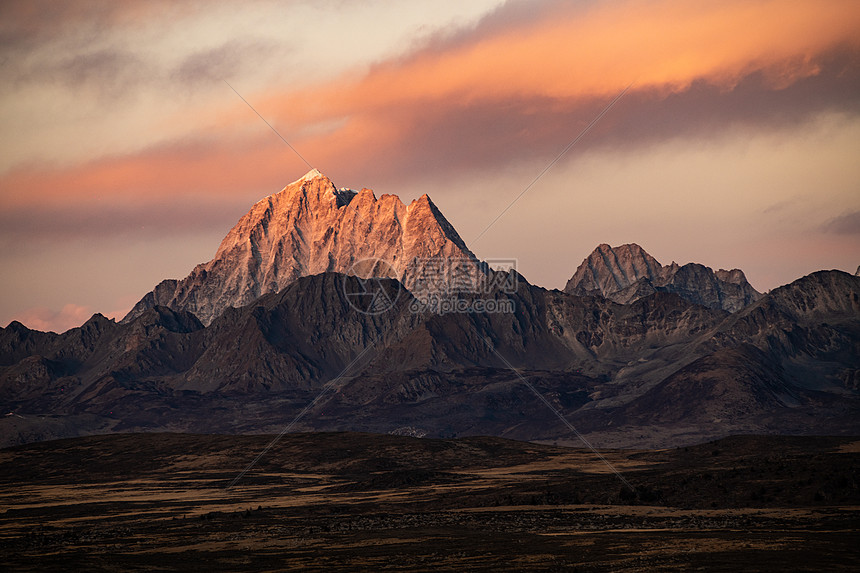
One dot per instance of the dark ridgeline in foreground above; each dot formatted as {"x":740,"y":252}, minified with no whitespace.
{"x":634,"y":353}
{"x":658,"y":371}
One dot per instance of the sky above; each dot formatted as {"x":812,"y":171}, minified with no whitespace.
{"x":126,"y":155}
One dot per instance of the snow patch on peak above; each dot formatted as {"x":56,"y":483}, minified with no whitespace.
{"x":312,"y":174}
{"x":309,"y":176}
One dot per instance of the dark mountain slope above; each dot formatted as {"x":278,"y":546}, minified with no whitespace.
{"x":664,"y":369}
{"x":298,"y":338}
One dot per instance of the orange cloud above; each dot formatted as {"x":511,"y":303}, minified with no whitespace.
{"x":557,"y":70}
{"x":667,"y":44}
{"x":206,"y":168}
{"x":494,"y":94}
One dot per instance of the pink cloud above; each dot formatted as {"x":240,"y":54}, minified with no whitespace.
{"x":47,"y":319}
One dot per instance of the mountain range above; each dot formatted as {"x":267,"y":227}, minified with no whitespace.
{"x":633,"y":353}
{"x":628,"y":273}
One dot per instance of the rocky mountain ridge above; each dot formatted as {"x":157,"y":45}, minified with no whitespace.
{"x":660,"y":370}
{"x":627,"y":273}
{"x":311,"y":227}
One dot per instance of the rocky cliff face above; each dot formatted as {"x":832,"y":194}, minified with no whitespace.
{"x":627,"y":273}
{"x":311,"y":227}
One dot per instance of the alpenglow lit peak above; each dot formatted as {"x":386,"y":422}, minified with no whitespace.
{"x":309,"y":227}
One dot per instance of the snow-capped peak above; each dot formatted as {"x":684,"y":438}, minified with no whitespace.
{"x":311,"y":175}
{"x":305,"y":229}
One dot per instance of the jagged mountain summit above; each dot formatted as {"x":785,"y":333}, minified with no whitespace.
{"x":310,"y":227}
{"x":627,"y":273}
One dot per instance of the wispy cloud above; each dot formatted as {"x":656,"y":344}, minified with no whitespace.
{"x":572,"y":53}
{"x":196,"y":168}
{"x":509,"y":89}
{"x":210,"y":66}
{"x":847,"y":224}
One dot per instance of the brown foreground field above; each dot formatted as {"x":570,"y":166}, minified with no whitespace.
{"x":344,"y":501}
